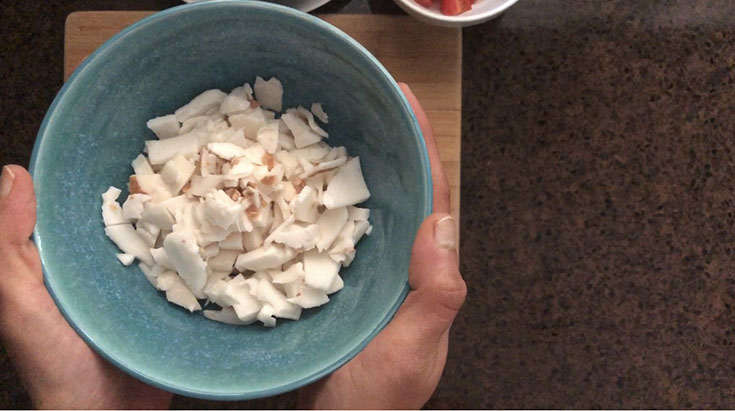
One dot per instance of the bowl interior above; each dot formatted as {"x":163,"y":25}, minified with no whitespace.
{"x":96,"y":126}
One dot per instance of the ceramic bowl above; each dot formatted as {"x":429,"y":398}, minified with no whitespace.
{"x":96,"y":126}
{"x":482,"y":11}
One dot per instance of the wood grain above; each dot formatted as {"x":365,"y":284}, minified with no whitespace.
{"x":428,"y":58}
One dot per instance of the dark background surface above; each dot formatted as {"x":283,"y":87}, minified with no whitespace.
{"x":597,"y":199}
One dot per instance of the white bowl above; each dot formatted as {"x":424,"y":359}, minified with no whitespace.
{"x":482,"y":10}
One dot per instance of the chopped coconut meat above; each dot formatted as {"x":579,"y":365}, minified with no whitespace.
{"x":232,"y":187}
{"x":269,"y":93}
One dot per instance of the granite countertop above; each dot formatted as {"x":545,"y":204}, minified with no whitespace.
{"x":598,"y":178}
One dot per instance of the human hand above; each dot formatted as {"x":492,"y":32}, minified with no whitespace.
{"x":402,"y":366}
{"x":57,"y":368}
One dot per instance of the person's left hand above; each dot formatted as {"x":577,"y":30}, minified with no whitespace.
{"x":56,"y":366}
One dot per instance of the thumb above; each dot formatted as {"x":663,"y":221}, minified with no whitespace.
{"x":17,"y":219}
{"x":17,"y":206}
{"x":438,"y":288}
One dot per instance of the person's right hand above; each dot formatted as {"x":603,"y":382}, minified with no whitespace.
{"x":402,"y":366}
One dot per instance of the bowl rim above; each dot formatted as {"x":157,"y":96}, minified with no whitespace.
{"x":423,"y":14}
{"x":120,"y":36}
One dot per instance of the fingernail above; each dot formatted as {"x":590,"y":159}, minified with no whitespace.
{"x":444,"y":233}
{"x":6,"y":181}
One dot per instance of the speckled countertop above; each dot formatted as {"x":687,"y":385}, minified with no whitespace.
{"x":598,"y":191}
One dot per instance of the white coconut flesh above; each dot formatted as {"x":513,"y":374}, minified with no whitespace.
{"x":241,"y":207}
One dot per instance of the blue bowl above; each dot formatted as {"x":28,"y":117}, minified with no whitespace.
{"x":96,"y":126}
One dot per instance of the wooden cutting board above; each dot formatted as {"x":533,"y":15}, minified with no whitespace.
{"x":428,"y":58}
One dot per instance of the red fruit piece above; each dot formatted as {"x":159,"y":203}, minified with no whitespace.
{"x":425,"y":3}
{"x":455,"y":7}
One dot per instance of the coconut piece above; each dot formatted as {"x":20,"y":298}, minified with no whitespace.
{"x":313,"y":153}
{"x":176,"y":173}
{"x":134,"y":205}
{"x":243,"y":223}
{"x":164,"y":126}
{"x":268,"y":114}
{"x":197,"y":123}
{"x":141,"y":166}
{"x":187,"y":218}
{"x":297,"y":236}
{"x":112,"y":194}
{"x":151,"y":184}
{"x":361,"y":228}
{"x":283,"y":207}
{"x":200,"y":104}
{"x":335,"y":153}
{"x":285,"y":141}
{"x":224,"y":261}
{"x":216,"y":292}
{"x":263,"y":258}
{"x":240,"y":167}
{"x":226,"y":315}
{"x":263,"y":219}
{"x":226,"y":151}
{"x":268,"y":294}
{"x":167,"y":279}
{"x":220,"y":210}
{"x":269,"y":93}
{"x":347,"y":187}
{"x":324,"y":166}
{"x":125,"y":259}
{"x":252,"y":240}
{"x":302,"y":134}
{"x":259,"y":173}
{"x":289,"y":162}
{"x":255,"y":154}
{"x":309,"y":117}
{"x":278,"y":225}
{"x":202,"y":185}
{"x":161,"y":258}
{"x":318,"y":111}
{"x":293,"y":288}
{"x":304,"y":206}
{"x":235,"y":101}
{"x":277,"y":222}
{"x":288,"y":192}
{"x":293,"y":273}
{"x":160,"y":151}
{"x":320,"y":270}
{"x":336,"y":285}
{"x":357,"y":213}
{"x":148,"y":232}
{"x":207,"y":162}
{"x":178,"y":294}
{"x":308,"y":297}
{"x":265,"y":315}
{"x":245,"y":305}
{"x":151,"y":272}
{"x":248,"y":91}
{"x":232,"y":242}
{"x":157,"y":215}
{"x":129,"y":242}
{"x":237,"y":137}
{"x":267,"y":136}
{"x":344,"y":241}
{"x":183,"y":252}
{"x":210,"y":251}
{"x":112,"y":213}
{"x":330,"y":224}
{"x":249,"y":122}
